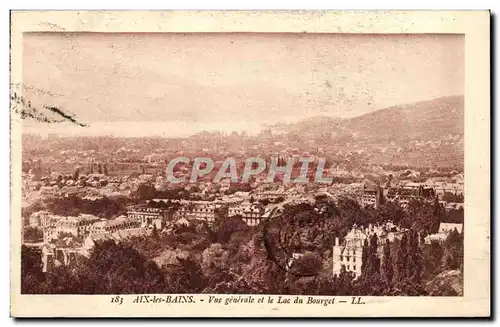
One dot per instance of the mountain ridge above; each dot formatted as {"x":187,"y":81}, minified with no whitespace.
{"x":425,"y":120}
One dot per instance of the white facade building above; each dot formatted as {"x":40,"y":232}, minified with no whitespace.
{"x":349,"y":254}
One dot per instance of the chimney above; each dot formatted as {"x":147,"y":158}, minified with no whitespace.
{"x":336,"y":241}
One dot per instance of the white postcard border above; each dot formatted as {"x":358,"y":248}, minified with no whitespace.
{"x":474,"y":25}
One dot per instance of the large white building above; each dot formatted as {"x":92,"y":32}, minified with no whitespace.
{"x":441,"y":187}
{"x":348,"y":255}
{"x":43,"y":219}
{"x":114,"y":225}
{"x":250,"y":213}
{"x":372,"y":195}
{"x":76,"y":226}
{"x":146,"y":215}
{"x":201,"y":210}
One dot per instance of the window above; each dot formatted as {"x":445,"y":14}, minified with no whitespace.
{"x":354,"y":267}
{"x":348,"y":267}
{"x":353,"y":259}
{"x":341,"y":257}
{"x":348,"y":258}
{"x":353,"y":252}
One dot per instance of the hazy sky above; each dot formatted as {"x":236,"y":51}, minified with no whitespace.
{"x":235,"y":81}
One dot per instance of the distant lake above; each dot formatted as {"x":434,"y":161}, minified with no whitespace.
{"x":138,"y":129}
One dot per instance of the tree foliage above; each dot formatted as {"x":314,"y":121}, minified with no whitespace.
{"x":32,"y":234}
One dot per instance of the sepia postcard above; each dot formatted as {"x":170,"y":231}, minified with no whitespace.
{"x":250,"y":164}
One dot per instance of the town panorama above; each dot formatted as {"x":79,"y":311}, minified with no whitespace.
{"x":359,"y":191}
